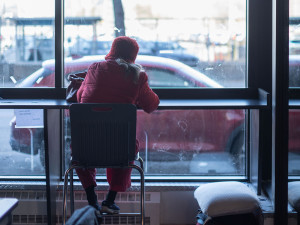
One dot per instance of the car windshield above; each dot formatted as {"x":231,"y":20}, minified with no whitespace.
{"x":168,"y":46}
{"x":103,"y":45}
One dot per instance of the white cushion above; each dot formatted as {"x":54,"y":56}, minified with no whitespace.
{"x":226,"y":198}
{"x":294,"y":194}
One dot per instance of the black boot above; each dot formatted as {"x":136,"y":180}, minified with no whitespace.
{"x":111,"y":196}
{"x":108,"y":205}
{"x":92,"y":197}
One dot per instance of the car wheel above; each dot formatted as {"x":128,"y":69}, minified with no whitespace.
{"x":238,"y":152}
{"x":42,"y":153}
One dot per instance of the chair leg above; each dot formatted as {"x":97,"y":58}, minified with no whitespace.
{"x":142,"y":192}
{"x":141,"y":163}
{"x":65,"y":192}
{"x":71,"y":192}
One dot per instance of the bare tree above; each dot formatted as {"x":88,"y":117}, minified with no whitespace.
{"x":119,"y":18}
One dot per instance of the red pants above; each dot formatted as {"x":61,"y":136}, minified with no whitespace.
{"x":119,"y":179}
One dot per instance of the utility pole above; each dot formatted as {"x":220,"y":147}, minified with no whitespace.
{"x":119,"y":18}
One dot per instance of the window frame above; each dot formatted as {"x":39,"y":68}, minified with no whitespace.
{"x":253,"y":66}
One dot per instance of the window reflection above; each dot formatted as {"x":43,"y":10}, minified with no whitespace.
{"x":188,"y":142}
{"x":18,"y":157}
{"x":294,"y":142}
{"x":294,"y":44}
{"x":194,"y":142}
{"x":26,"y":39}
{"x":204,"y":48}
{"x":208,"y":36}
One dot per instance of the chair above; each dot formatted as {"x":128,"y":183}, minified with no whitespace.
{"x":102,"y":136}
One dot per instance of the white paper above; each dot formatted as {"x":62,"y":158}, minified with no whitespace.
{"x":29,"y":118}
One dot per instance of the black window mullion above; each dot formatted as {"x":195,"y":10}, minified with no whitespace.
{"x":259,"y":71}
{"x":59,"y":39}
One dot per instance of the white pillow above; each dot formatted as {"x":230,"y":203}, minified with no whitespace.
{"x":226,"y":198}
{"x":294,"y":194}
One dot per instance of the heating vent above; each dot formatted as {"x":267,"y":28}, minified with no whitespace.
{"x":32,"y":207}
{"x":24,"y":195}
{"x":29,"y":219}
{"x":124,"y":220}
{"x":121,"y":197}
{"x":112,"y":220}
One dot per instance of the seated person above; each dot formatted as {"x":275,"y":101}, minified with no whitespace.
{"x":116,"y":80}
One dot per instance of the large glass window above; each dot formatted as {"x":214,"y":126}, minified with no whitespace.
{"x":294,"y":81}
{"x":190,"y":44}
{"x":188,"y":142}
{"x":294,"y":44}
{"x":26,"y":39}
{"x":192,"y":142}
{"x":209,"y":36}
{"x":22,"y":151}
{"x":294,"y":142}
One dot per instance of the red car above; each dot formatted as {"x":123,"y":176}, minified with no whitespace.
{"x":164,"y":135}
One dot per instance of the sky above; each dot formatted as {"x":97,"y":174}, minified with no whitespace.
{"x":185,"y":12}
{"x":193,"y":8}
{"x":167,"y":8}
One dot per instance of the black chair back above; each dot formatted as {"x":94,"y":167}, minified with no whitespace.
{"x":103,"y":135}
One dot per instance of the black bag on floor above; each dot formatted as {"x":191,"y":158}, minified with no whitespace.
{"x":239,"y":219}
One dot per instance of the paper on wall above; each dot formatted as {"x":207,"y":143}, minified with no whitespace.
{"x":29,"y":118}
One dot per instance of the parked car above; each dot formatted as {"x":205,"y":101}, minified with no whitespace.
{"x":163,"y":135}
{"x":294,"y":47}
{"x":294,"y":70}
{"x":84,"y":47}
{"x":181,"y":56}
{"x":168,"y":49}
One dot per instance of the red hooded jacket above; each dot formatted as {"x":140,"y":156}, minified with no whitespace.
{"x":108,"y":82}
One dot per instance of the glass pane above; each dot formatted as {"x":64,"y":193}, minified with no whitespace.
{"x":294,"y":142}
{"x":208,"y":36}
{"x":67,"y":140}
{"x":189,"y":142}
{"x":26,"y":41}
{"x":22,"y":149}
{"x":294,"y":44}
{"x":192,"y":142}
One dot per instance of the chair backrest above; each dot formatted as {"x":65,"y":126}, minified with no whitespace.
{"x":103,"y":135}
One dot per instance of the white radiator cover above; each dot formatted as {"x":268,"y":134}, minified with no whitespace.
{"x":32,"y":207}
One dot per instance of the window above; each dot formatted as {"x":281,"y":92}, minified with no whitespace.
{"x":26,"y":39}
{"x":204,"y":48}
{"x":18,"y":156}
{"x":188,"y":142}
{"x":177,"y":50}
{"x":208,"y":36}
{"x":294,"y":82}
{"x":193,"y":142}
{"x":294,"y":44}
{"x":294,"y":143}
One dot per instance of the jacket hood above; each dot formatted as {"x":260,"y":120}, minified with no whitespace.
{"x":125,"y":48}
